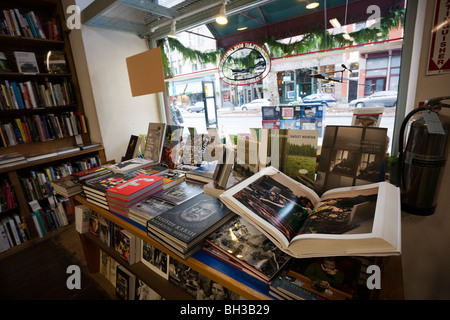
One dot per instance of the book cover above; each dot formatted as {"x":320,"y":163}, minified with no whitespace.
{"x":132,"y":145}
{"x":204,"y":173}
{"x":155,"y":259}
{"x":170,"y":156}
{"x":350,"y":156}
{"x":55,"y":62}
{"x":135,"y":187}
{"x":180,"y":192}
{"x":245,"y":244}
{"x":147,"y":209}
{"x":4,"y":64}
{"x":130,"y":165}
{"x":367,"y":117}
{"x":128,"y":247}
{"x":26,"y":62}
{"x":154,"y":141}
{"x":188,"y":223}
{"x":125,"y":283}
{"x":303,"y":224}
{"x":99,"y":185}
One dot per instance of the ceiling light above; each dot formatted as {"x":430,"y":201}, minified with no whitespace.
{"x":335,"y":23}
{"x":241,"y":28}
{"x":173,"y":31}
{"x":222,"y":18}
{"x":312,"y":5}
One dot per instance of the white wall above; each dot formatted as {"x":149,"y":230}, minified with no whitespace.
{"x":100,"y":57}
{"x":426,"y":256}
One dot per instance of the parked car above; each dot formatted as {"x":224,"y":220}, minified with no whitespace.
{"x":378,"y":99}
{"x":256,"y":104}
{"x":325,"y":98}
{"x":199,"y":106}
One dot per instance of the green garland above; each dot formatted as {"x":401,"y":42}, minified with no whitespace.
{"x":315,"y":40}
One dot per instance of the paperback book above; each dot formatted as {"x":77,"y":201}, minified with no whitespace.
{"x":360,"y":220}
{"x":125,"y":283}
{"x":171,"y":152}
{"x":186,"y":225}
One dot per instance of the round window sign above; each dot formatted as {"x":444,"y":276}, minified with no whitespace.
{"x":244,"y":63}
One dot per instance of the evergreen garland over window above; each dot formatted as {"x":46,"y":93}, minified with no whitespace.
{"x":315,"y":40}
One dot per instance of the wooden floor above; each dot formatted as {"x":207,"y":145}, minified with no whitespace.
{"x":39,"y":272}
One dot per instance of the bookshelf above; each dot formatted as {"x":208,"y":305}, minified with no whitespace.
{"x":216,"y":270}
{"x":41,"y":108}
{"x":213,"y":268}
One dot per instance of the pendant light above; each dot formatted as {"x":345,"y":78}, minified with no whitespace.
{"x":222,"y":17}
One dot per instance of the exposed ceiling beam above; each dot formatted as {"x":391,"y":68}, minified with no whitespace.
{"x":152,"y":7}
{"x":95,"y":9}
{"x":202,"y":15}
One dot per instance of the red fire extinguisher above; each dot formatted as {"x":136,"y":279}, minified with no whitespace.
{"x":422,"y":160}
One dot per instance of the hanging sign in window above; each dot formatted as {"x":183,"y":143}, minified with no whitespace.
{"x":244,"y":63}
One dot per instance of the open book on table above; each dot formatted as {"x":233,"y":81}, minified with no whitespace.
{"x":359,"y":220}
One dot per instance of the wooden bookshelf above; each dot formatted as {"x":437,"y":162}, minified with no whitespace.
{"x":213,"y":271}
{"x":45,"y":11}
{"x":391,"y":286}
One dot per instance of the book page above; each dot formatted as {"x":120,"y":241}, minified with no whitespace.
{"x":278,"y":204}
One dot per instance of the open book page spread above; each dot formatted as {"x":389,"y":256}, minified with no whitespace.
{"x":287,"y":211}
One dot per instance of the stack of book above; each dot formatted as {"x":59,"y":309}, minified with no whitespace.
{"x":147,"y":209}
{"x":70,"y":185}
{"x":95,"y":189}
{"x":184,"y":227}
{"x":203,"y":174}
{"x":132,"y":191}
{"x":11,"y":159}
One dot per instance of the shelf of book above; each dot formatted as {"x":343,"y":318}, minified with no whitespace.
{"x":162,"y":286}
{"x":235,"y":280}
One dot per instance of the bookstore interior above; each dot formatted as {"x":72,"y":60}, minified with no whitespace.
{"x":229,"y":149}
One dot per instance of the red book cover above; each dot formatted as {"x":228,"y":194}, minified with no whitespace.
{"x":135,"y":187}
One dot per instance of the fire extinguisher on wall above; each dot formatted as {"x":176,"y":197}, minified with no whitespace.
{"x":422,"y":160}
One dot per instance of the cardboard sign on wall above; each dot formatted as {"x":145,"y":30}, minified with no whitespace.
{"x":145,"y":71}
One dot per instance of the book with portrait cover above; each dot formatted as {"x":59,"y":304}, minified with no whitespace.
{"x":186,"y":225}
{"x":358,"y":220}
{"x":171,"y":149}
{"x":351,"y":156}
{"x":147,"y":209}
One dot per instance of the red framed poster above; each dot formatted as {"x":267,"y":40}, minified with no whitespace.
{"x":439,"y":56}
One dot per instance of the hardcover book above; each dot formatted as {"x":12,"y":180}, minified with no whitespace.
{"x":130,"y":165}
{"x":186,"y":225}
{"x":154,"y":141}
{"x":135,"y":187}
{"x":155,"y":259}
{"x":292,"y":151}
{"x":204,"y":173}
{"x":99,"y":185}
{"x":170,"y":156}
{"x":351,"y":156}
{"x":125,"y":283}
{"x":180,"y":192}
{"x":147,"y":209}
{"x":26,"y":62}
{"x":245,"y":244}
{"x":360,"y":220}
{"x":129,"y":247}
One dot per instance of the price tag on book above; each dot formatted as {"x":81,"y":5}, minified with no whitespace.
{"x":434,"y":125}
